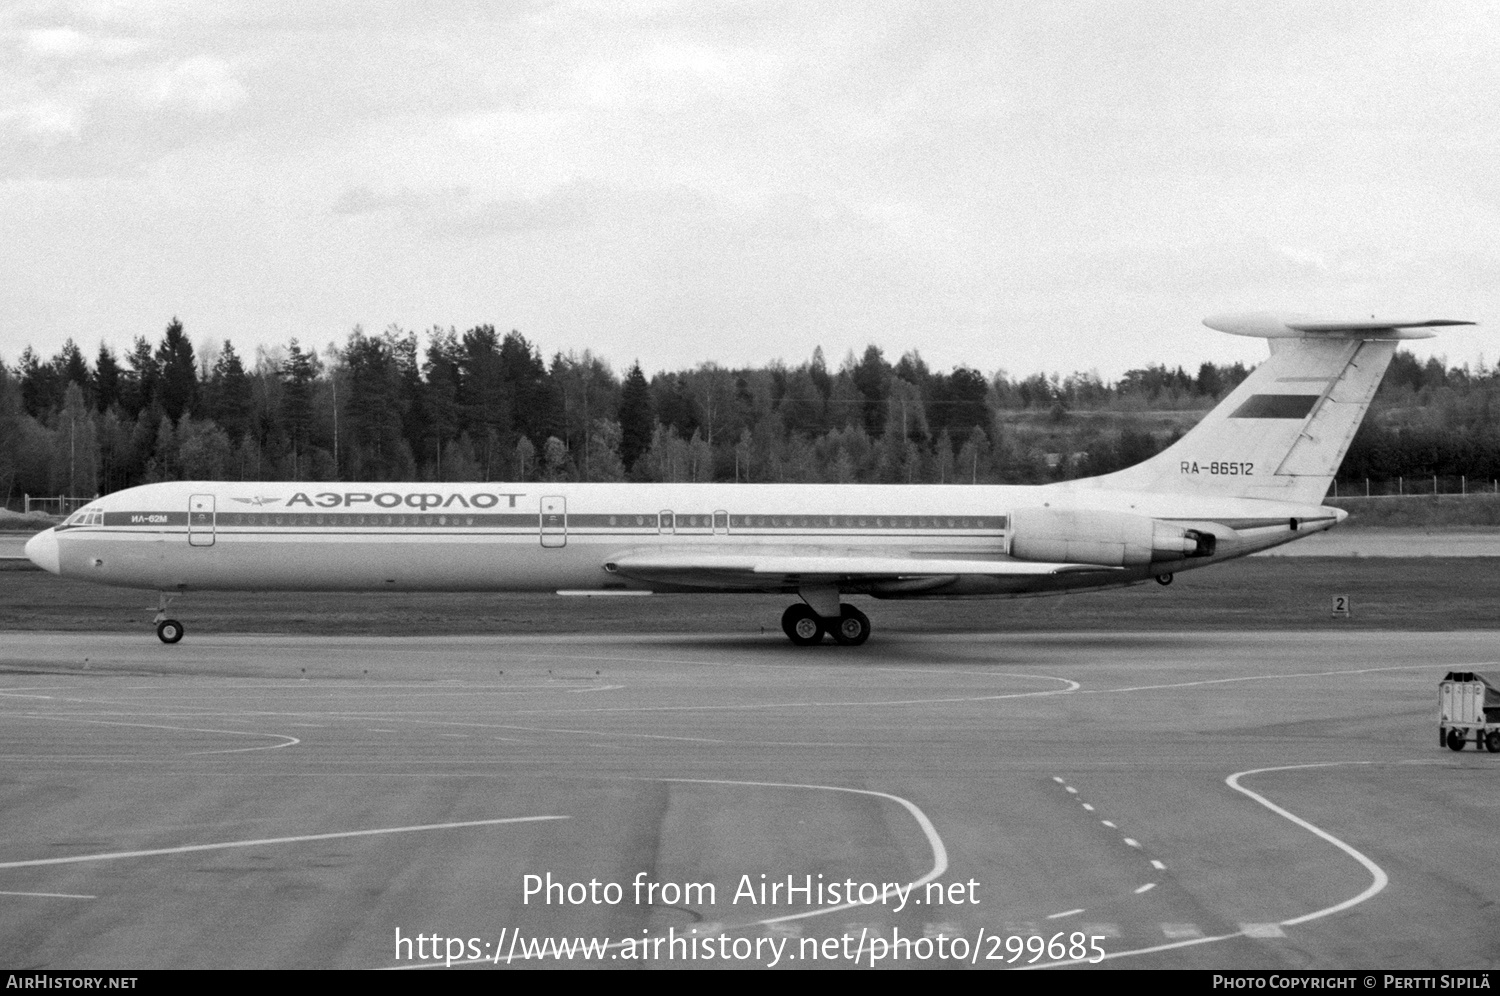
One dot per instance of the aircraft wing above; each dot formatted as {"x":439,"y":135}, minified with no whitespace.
{"x":751,"y":570}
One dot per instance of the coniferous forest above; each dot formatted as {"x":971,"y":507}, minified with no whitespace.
{"x":480,"y":405}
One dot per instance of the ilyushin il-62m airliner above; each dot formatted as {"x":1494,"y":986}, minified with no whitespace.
{"x":1251,"y":475}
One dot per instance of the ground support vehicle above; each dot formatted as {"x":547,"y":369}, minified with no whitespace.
{"x":1469,"y":711}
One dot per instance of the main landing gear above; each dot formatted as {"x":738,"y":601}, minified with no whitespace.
{"x":805,"y":627}
{"x":167,"y":630}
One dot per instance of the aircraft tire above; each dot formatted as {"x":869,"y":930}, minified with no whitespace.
{"x":1492,"y":741}
{"x":802,"y":625}
{"x":1164,"y":579}
{"x":1455,"y":739}
{"x":169,"y":631}
{"x":853,"y":627}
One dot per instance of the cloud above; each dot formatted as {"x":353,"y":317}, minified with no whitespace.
{"x":456,"y":211}
{"x":1305,"y":258}
{"x":47,"y":123}
{"x":70,"y":43}
{"x":201,"y":83}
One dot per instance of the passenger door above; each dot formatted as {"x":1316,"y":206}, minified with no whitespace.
{"x":554,"y":521}
{"x":201,"y":520}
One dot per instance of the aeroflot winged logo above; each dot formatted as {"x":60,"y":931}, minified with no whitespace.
{"x":390,"y":499}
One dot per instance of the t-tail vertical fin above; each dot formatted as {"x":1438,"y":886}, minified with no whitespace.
{"x":1282,"y":433}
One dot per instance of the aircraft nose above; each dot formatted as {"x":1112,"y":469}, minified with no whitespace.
{"x":41,"y":549}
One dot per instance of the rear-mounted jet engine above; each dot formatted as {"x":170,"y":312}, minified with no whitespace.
{"x":1110,"y":539}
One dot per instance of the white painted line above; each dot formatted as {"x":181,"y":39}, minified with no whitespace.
{"x":1180,"y":931}
{"x":1254,"y":677}
{"x":48,"y":895}
{"x":939,"y":852}
{"x":1262,"y":930}
{"x":939,"y":863}
{"x":1380,"y":880}
{"x":1158,"y":865}
{"x":1145,"y":888}
{"x":267,"y":841}
{"x":1057,"y":779}
{"x":1109,"y":824}
{"x":1132,"y":842}
{"x":1127,"y":954}
{"x":1088,"y":808}
{"x":1059,"y":916}
{"x":288,"y":741}
{"x":1071,"y":790}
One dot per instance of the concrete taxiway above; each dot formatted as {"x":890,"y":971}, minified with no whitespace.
{"x":1217,"y":800}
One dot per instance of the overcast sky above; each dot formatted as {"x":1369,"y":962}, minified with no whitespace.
{"x":1028,"y":186}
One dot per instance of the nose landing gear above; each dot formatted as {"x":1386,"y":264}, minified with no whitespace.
{"x":167,"y":630}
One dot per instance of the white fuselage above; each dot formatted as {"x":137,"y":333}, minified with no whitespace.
{"x":257,"y":536}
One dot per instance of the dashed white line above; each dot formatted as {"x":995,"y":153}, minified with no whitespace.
{"x":1109,"y":824}
{"x":1145,"y":888}
{"x":48,"y":895}
{"x":1059,"y":916}
{"x":1132,"y":842}
{"x":1088,"y":808}
{"x":1380,"y":880}
{"x":1158,"y":865}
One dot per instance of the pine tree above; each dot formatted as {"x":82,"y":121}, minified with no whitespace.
{"x":637,"y":416}
{"x":179,"y":371}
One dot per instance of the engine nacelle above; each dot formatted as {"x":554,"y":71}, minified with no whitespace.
{"x":1110,"y":539}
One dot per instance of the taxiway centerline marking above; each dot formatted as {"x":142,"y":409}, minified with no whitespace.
{"x":1378,"y":875}
{"x":1256,"y":677}
{"x":290,"y":740}
{"x":939,"y":854}
{"x":268,"y":841}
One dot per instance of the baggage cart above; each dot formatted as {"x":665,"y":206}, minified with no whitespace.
{"x":1469,"y":711}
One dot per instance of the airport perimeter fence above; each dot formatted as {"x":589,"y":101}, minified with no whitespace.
{"x":1427,"y":486}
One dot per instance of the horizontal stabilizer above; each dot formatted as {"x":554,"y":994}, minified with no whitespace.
{"x":1266,"y":325}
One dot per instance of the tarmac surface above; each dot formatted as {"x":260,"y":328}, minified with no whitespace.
{"x":1214,"y":800}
